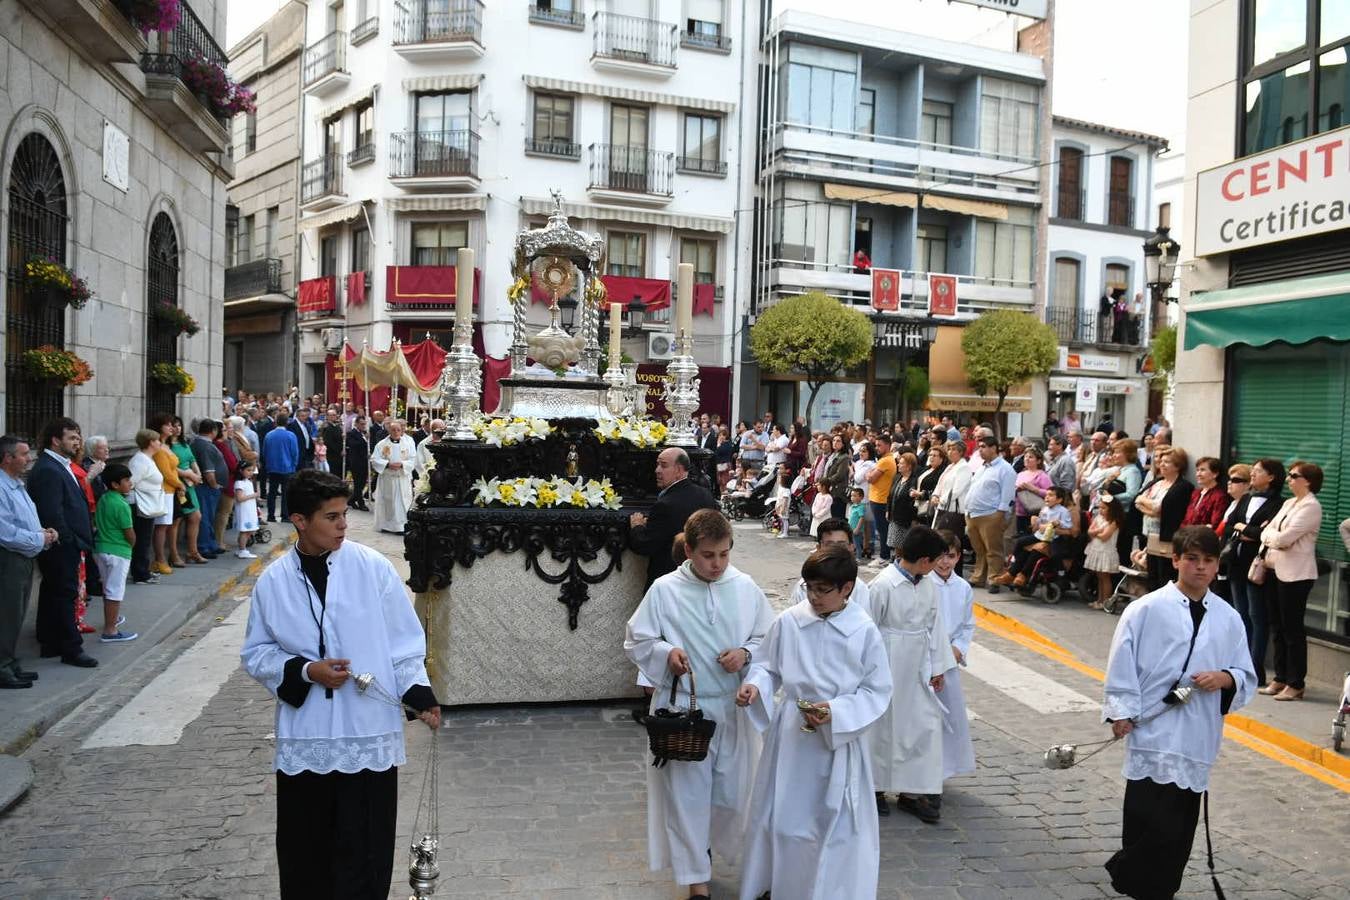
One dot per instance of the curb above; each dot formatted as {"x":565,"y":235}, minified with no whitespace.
{"x":1277,"y":744}
{"x":63,"y":706}
{"x":16,"y":777}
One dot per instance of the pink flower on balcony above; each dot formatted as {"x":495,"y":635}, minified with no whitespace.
{"x":155,"y":15}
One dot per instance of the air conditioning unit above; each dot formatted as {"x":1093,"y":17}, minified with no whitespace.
{"x":660,"y":345}
{"x":332,"y":339}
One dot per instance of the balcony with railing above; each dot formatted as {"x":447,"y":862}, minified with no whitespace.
{"x":974,"y":293}
{"x":365,"y":31}
{"x":325,"y":67}
{"x":706,"y":40}
{"x":634,"y":45}
{"x":1120,"y":210}
{"x":317,"y":298}
{"x":321,"y":183}
{"x":103,"y":28}
{"x":253,"y":279}
{"x":542,"y":14}
{"x":425,"y":289}
{"x":173,"y":63}
{"x":435,"y":30}
{"x":363,"y":153}
{"x":697,"y":165}
{"x":434,"y":159}
{"x":1071,"y":204}
{"x":631,"y":174}
{"x":554,"y":148}
{"x":1087,"y":326}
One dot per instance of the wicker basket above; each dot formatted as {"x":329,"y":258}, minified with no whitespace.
{"x":681,"y":735}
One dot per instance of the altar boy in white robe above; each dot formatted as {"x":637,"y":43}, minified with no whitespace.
{"x":325,"y":609}
{"x":834,"y":533}
{"x":709,"y":617}
{"x":957,"y":601}
{"x":813,"y":831}
{"x":393,"y":459}
{"x":907,"y":741}
{"x":1179,"y":636}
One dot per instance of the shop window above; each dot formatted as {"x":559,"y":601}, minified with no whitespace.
{"x":161,"y":335}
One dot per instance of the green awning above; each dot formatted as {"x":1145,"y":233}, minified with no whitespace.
{"x":1296,"y":311}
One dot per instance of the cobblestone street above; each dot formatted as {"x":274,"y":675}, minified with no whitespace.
{"x":550,"y":802}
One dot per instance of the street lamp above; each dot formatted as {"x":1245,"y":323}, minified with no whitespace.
{"x":567,"y":308}
{"x":1160,"y":261}
{"x":637,"y":311}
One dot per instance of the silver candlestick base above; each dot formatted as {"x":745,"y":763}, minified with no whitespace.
{"x":618,"y":399}
{"x":637,"y":398}
{"x":681,"y":393}
{"x":462,"y":385}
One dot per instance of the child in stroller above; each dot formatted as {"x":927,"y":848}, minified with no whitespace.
{"x":747,"y":495}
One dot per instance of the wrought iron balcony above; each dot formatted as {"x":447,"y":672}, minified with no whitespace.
{"x":635,"y":40}
{"x":169,"y":52}
{"x":176,"y":63}
{"x":632,"y":169}
{"x":253,"y":279}
{"x":433,"y":155}
{"x":366,"y":30}
{"x":438,"y":21}
{"x":1120,"y":210}
{"x":550,"y":147}
{"x":702,"y":40}
{"x":321,"y":178}
{"x":1086,"y":326}
{"x":699,"y":166}
{"x":1072,"y":204}
{"x":327,"y":56}
{"x":363,"y":153}
{"x":568,"y":18}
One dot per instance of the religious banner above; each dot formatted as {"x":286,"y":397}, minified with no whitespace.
{"x":655,"y":292}
{"x":886,"y":289}
{"x":1086,"y":395}
{"x":714,"y":390}
{"x":942,"y":295}
{"x":425,"y":285}
{"x":705,"y":297}
{"x":356,"y":288}
{"x":318,"y":295}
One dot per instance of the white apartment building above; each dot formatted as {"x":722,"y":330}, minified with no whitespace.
{"x":1263,"y":361}
{"x":115,"y":168}
{"x":1103,"y":210}
{"x":922,"y":153}
{"x":431,"y":125}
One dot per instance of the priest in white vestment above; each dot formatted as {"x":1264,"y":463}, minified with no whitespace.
{"x":708,"y":616}
{"x":423,"y":461}
{"x":393,"y":459}
{"x":813,"y":831}
{"x":957,"y":602}
{"x":1181,"y":635}
{"x":324,"y":610}
{"x":907,"y":741}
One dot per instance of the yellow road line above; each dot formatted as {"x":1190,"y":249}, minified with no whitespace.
{"x":1281,"y":746}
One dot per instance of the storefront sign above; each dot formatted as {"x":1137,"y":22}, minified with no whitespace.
{"x":1293,"y":191}
{"x":1032,"y":9}
{"x":1086,"y":396}
{"x":1086,"y":362}
{"x":886,"y":289}
{"x":714,"y":390}
{"x":942,"y":295}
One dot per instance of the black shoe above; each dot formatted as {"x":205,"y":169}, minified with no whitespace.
{"x":8,"y":683}
{"x":23,"y":675}
{"x":49,"y":654}
{"x":153,"y":579}
{"x":82,"y":660}
{"x":994,"y":589}
{"x":882,"y":808}
{"x":918,"y":806}
{"x":935,"y":800}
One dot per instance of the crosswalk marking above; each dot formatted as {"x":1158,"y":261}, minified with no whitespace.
{"x":1025,"y":685}
{"x":164,"y":707}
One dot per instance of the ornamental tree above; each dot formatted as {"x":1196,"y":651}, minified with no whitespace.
{"x":1163,"y":352}
{"x":1004,"y":348}
{"x":814,"y":335}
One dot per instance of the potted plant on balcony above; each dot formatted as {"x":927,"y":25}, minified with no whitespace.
{"x":48,"y":363}
{"x":169,"y":313}
{"x":153,"y":15}
{"x":208,"y":80}
{"x":45,"y":277}
{"x":175,"y":376}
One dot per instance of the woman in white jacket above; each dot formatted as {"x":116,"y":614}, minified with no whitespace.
{"x":148,"y":502}
{"x":948,"y":506}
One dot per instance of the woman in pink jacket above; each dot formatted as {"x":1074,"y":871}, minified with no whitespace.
{"x":1290,"y":542}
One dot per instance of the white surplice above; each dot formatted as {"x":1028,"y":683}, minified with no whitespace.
{"x":813,"y":825}
{"x":858,"y":597}
{"x":907,"y":741}
{"x":957,"y":601}
{"x":696,"y":806}
{"x":393,"y":493}
{"x":1147,"y":653}
{"x":367,"y":618}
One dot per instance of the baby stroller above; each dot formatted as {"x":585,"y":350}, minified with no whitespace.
{"x":1132,"y":584}
{"x":798,"y":517}
{"x":754,"y":503}
{"x":1342,"y":712}
{"x":262,"y":536}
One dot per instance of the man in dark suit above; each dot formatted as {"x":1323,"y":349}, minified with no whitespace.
{"x":652,"y":534}
{"x":299,"y":426}
{"x":61,"y":505}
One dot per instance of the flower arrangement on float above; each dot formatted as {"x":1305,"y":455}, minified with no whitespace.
{"x":43,"y":274}
{"x":154,"y":15}
{"x":49,"y":363}
{"x":638,"y":432}
{"x":174,"y":376}
{"x":503,"y":432}
{"x":546,"y":493}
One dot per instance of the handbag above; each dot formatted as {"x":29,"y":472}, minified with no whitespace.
{"x":1157,"y":546}
{"x":1115,"y":486}
{"x":1032,"y":502}
{"x":1256,"y":574}
{"x":681,"y":735}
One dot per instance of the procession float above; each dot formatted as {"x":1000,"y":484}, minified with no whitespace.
{"x":518,"y":539}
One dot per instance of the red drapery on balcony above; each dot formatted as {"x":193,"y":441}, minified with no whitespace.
{"x":318,"y":294}
{"x":356,"y":288}
{"x":425,"y":285}
{"x":655,"y":292}
{"x":705,"y":296}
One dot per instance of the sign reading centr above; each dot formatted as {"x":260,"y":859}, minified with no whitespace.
{"x":1294,"y":191}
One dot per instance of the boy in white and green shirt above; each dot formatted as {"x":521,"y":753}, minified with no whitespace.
{"x":113,"y":538}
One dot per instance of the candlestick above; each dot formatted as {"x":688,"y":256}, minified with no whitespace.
{"x":684,"y":300}
{"x":615,"y":334}
{"x":464,"y":289}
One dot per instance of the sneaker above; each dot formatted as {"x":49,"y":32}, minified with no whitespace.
{"x":245,"y":554}
{"x":118,"y":638}
{"x":153,"y":579}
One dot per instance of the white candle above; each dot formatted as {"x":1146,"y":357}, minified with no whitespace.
{"x":684,"y":300}
{"x":464,"y":287}
{"x":615,"y":333}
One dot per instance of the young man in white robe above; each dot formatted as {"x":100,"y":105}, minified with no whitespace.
{"x":1180,"y":636}
{"x":393,"y":460}
{"x":707,"y":617}
{"x":907,"y":741}
{"x":813,"y":831}
{"x":326,"y":609}
{"x":834,"y":533}
{"x":957,"y":602}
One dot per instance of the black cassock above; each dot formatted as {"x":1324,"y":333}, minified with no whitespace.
{"x":1156,"y":839}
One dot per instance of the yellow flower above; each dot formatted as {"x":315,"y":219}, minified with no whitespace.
{"x":547,"y":495}
{"x":507,"y":492}
{"x":578,"y":498}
